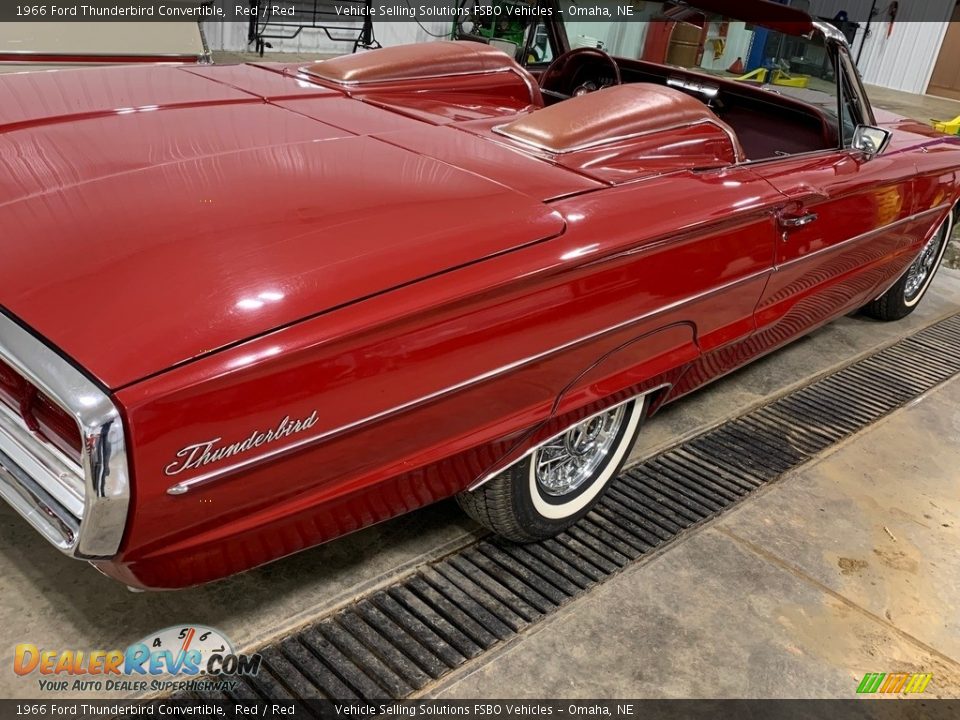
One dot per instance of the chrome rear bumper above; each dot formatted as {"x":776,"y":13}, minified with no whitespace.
{"x":79,"y":508}
{"x":41,"y":486}
{"x":52,"y":519}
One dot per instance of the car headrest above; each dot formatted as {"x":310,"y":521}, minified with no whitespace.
{"x":609,"y":115}
{"x":412,"y":62}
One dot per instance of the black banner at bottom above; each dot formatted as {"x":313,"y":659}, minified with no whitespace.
{"x":882,"y":709}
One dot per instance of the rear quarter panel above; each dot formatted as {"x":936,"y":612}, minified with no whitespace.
{"x":421,"y":392}
{"x":936,"y":184}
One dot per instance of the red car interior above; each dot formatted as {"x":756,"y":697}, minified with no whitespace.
{"x":765,"y":123}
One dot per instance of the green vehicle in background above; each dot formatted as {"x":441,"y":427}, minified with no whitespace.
{"x":489,"y":21}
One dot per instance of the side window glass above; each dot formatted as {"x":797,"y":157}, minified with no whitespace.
{"x":851,"y":114}
{"x":538,"y":48}
{"x":848,"y":122}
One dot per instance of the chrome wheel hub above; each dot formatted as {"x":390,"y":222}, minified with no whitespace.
{"x":924,"y":265}
{"x":568,"y":461}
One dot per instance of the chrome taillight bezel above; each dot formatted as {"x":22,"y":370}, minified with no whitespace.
{"x":38,"y":479}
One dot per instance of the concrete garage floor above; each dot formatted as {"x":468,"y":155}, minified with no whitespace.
{"x":803,"y":614}
{"x":924,"y":108}
{"x":847,"y":566}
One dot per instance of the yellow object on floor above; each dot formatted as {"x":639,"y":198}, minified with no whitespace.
{"x":951,"y":127}
{"x":759,"y":75}
{"x":780,"y":77}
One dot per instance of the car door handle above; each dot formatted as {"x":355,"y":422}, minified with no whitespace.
{"x":797,"y":221}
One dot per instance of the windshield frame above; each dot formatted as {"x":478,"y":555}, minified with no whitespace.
{"x":834,"y":40}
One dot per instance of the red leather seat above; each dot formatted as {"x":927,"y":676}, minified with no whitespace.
{"x":612,"y":114}
{"x":411,"y":62}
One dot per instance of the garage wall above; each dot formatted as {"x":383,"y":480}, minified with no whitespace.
{"x":232,"y":36}
{"x":905,"y":60}
{"x":102,"y":38}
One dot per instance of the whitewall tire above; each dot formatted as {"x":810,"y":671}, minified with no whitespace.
{"x":560,"y":481}
{"x":903,"y":298}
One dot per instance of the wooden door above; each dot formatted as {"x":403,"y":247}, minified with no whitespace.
{"x":945,"y":80}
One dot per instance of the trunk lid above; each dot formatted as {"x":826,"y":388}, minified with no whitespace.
{"x":146,"y":226}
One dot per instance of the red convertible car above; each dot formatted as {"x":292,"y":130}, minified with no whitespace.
{"x":247,"y":309}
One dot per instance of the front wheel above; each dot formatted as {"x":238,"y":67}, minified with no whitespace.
{"x":560,"y":481}
{"x":903,"y":298}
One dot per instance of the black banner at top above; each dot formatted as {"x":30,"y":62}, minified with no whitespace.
{"x":306,"y":11}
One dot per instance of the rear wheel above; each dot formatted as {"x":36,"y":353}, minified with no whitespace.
{"x":903,"y":298}
{"x":560,"y":481}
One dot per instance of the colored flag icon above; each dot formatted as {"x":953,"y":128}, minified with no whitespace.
{"x":894,"y":683}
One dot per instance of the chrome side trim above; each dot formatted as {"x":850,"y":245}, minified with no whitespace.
{"x":168,"y":57}
{"x":103,"y":469}
{"x":863,"y":236}
{"x":182,"y":487}
{"x":738,"y":157}
{"x":494,"y":473}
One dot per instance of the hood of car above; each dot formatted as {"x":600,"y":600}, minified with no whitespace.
{"x":153,"y":215}
{"x":909,"y":135}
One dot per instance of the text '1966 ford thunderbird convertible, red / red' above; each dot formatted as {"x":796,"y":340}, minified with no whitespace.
{"x":247,"y":309}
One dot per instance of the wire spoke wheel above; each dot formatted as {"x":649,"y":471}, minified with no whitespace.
{"x":903,"y":296}
{"x":560,"y":481}
{"x":564,"y":464}
{"x":925,"y":265}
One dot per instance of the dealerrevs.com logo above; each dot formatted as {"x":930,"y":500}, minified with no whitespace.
{"x":176,"y":658}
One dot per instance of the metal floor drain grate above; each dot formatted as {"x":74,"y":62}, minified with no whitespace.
{"x":396,"y":641}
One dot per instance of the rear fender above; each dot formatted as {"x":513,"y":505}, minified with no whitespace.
{"x":645,"y":366}
{"x":630,"y":367}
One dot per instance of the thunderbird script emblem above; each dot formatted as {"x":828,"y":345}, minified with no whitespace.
{"x":211,"y":451}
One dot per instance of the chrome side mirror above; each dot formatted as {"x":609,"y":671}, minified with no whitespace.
{"x":871,"y":141}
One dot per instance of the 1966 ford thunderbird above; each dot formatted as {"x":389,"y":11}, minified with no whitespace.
{"x":248,"y":309}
